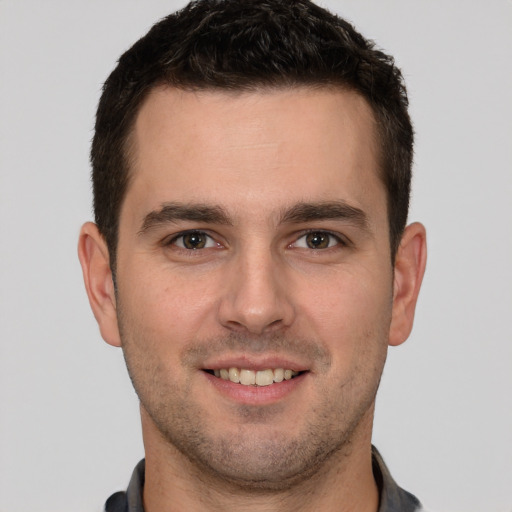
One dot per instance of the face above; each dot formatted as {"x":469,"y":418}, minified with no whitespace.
{"x":254,"y":246}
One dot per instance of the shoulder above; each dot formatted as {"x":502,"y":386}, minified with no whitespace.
{"x":117,"y":503}
{"x":392,"y":497}
{"x":131,"y":499}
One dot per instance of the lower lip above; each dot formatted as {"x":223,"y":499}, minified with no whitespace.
{"x":256,"y":395}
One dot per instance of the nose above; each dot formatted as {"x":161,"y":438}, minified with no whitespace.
{"x":256,"y":299}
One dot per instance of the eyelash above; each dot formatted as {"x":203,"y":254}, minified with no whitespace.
{"x":339,"y":241}
{"x":173,"y":241}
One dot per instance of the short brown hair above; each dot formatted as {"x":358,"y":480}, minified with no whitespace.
{"x":249,"y":45}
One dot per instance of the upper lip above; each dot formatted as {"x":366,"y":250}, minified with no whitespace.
{"x":248,"y":362}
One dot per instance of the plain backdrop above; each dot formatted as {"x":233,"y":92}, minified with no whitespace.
{"x":69,"y":424}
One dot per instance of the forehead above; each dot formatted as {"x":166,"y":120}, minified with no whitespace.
{"x":268,"y":146}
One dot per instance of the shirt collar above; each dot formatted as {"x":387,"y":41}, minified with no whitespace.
{"x":392,"y":498}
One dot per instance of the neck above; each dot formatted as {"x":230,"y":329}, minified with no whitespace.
{"x":173,"y":483}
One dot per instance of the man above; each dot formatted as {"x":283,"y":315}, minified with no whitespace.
{"x":251,"y":172}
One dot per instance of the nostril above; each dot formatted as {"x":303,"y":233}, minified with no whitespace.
{"x":275,"y":323}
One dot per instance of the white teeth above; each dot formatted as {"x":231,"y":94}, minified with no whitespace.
{"x":278,"y":375}
{"x":247,"y":377}
{"x":234,"y":375}
{"x":258,"y":378}
{"x":264,"y":377}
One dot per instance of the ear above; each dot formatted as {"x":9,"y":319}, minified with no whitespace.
{"x":410,"y":262}
{"x":94,"y":258}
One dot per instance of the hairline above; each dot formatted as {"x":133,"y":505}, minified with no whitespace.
{"x":129,"y":149}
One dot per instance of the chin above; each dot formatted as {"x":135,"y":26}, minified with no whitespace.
{"x":257,"y":458}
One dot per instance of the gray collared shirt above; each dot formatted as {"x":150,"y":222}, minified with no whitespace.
{"x":391,"y":499}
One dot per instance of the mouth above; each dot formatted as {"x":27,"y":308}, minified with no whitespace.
{"x":256,"y":378}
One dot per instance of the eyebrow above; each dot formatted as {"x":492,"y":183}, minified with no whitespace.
{"x":328,"y":210}
{"x":173,"y":212}
{"x":298,"y":213}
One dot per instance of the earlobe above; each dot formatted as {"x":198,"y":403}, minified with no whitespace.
{"x":410,"y":265}
{"x":94,"y":258}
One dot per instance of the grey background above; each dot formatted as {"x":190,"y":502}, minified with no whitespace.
{"x":69,"y":425}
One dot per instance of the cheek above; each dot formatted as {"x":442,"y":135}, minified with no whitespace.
{"x":163,"y":307}
{"x":350,"y":313}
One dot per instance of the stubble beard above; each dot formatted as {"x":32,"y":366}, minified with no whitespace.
{"x":257,"y":455}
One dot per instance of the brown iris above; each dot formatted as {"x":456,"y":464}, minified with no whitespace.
{"x":194,"y":240}
{"x":318,"y":240}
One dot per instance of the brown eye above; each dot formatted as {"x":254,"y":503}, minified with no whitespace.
{"x":318,"y":240}
{"x":193,"y":240}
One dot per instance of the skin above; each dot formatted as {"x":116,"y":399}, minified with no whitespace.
{"x":252,"y":174}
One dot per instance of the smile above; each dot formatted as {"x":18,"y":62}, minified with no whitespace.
{"x":254,"y":378}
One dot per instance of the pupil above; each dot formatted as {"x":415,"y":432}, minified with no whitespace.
{"x":194,"y":241}
{"x":317,"y":240}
